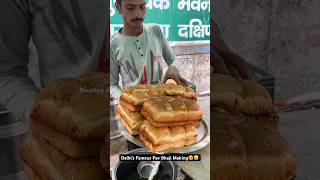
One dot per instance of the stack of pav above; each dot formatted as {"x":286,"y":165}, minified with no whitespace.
{"x":235,"y":101}
{"x":246,"y":143}
{"x":163,"y":115}
{"x":69,"y":125}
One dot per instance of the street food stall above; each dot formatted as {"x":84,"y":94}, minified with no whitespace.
{"x":186,"y":26}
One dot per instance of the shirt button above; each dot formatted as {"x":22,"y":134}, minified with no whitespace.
{"x":137,"y":40}
{"x":141,"y":54}
{"x":139,"y":47}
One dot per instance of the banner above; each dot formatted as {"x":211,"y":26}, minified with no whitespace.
{"x":180,"y":20}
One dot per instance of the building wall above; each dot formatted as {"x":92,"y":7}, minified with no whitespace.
{"x":194,"y":58}
{"x":280,"y":36}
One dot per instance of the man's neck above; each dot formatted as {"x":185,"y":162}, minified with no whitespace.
{"x":132,"y":31}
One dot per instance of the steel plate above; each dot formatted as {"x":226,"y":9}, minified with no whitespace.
{"x":203,"y":139}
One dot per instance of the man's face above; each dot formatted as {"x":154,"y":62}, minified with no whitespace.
{"x":133,"y":12}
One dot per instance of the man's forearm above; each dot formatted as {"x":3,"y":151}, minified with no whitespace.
{"x":115,"y":91}
{"x":170,"y":57}
{"x":227,"y":58}
{"x":17,"y":90}
{"x":235,"y":61}
{"x":218,"y":42}
{"x":18,"y":93}
{"x":176,"y":64}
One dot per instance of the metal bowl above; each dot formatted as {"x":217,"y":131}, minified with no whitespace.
{"x":128,"y":169}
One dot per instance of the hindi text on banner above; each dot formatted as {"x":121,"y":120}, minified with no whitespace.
{"x":197,"y":5}
{"x":195,"y":28}
{"x":158,"y":4}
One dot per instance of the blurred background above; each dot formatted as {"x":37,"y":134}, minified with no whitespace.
{"x":282,"y":39}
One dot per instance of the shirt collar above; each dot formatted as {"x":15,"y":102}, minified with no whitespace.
{"x":133,"y":37}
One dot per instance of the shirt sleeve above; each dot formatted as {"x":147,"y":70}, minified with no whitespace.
{"x":217,"y":13}
{"x":115,"y":89}
{"x":167,"y":51}
{"x":17,"y":89}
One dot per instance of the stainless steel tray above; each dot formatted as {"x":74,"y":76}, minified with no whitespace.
{"x":203,"y":139}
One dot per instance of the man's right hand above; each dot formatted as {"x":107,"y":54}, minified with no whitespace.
{"x":173,"y":74}
{"x":224,"y":60}
{"x":229,"y":63}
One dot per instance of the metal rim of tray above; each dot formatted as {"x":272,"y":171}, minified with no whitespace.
{"x":201,"y":143}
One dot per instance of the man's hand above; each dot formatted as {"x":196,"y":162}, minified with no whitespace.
{"x":227,"y":62}
{"x":224,"y":60}
{"x":173,"y":73}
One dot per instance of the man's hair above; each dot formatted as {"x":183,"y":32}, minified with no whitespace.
{"x":118,"y":1}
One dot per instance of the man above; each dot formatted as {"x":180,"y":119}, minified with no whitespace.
{"x":224,"y":60}
{"x":136,"y":51}
{"x":68,"y":35}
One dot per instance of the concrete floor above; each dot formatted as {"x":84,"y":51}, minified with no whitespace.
{"x":301,"y":129}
